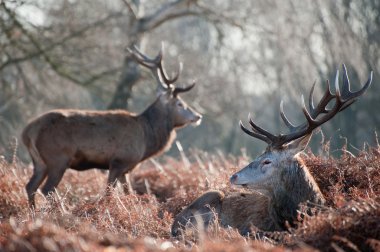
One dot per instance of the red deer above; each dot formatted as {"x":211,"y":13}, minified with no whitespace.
{"x":278,"y":181}
{"x":116,"y":140}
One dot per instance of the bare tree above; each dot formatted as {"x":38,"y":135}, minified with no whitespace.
{"x":141,"y":23}
{"x":245,"y":53}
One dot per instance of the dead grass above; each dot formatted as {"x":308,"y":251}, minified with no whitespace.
{"x":80,"y":218}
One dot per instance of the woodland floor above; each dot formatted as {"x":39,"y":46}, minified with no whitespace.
{"x":80,"y":218}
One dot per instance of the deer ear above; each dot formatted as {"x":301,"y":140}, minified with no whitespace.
{"x":300,"y":144}
{"x":164,"y":97}
{"x":160,"y":91}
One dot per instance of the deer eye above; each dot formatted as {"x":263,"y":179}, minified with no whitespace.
{"x":179,"y":104}
{"x":266,"y":162}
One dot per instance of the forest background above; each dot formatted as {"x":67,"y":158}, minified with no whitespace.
{"x":246,"y":56}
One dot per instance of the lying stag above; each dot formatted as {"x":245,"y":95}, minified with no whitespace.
{"x":279,"y":180}
{"x":116,"y":140}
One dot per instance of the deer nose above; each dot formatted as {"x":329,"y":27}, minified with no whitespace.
{"x":197,"y":119}
{"x":233,"y":178}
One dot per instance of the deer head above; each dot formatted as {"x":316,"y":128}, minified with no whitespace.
{"x":280,"y":156}
{"x":168,"y":94}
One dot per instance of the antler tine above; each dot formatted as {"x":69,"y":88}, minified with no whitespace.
{"x":325,"y":114}
{"x":311,"y":99}
{"x":165,"y":77}
{"x":150,"y":63}
{"x":301,"y":130}
{"x":311,"y":121}
{"x":346,"y":88}
{"x":346,"y":101}
{"x":163,"y":73}
{"x":178,"y":90}
{"x":260,"y":130}
{"x":156,"y":66}
{"x":285,"y":118}
{"x":321,"y":106}
{"x":254,"y":134}
{"x":348,"y":96}
{"x":336,"y":83}
{"x":308,"y":127}
{"x":144,"y":60}
{"x":316,"y":116}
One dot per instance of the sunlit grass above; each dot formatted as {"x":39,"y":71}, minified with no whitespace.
{"x":79,"y":217}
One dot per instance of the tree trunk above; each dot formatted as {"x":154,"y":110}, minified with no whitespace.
{"x":129,"y":77}
{"x":140,"y":24}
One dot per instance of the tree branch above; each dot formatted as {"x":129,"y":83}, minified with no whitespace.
{"x":213,"y":16}
{"x":44,"y":51}
{"x":175,"y":9}
{"x":131,"y":8}
{"x":52,"y":46}
{"x":100,"y":75}
{"x":181,"y":8}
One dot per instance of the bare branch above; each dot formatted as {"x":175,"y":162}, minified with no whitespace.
{"x":131,"y":8}
{"x":100,"y":75}
{"x":173,"y":15}
{"x":52,"y":46}
{"x":44,"y":51}
{"x":213,"y":16}
{"x":175,"y":9}
{"x":181,"y":8}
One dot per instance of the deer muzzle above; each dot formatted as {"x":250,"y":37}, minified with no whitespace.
{"x":197,"y":119}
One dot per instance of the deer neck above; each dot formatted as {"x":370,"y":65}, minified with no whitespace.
{"x":158,"y":129}
{"x":297,"y":187}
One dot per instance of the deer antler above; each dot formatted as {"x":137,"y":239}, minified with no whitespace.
{"x":343,"y":99}
{"x":156,"y":66}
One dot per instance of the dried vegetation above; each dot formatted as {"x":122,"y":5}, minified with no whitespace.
{"x":78,"y":217}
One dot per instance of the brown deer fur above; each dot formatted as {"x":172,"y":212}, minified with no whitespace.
{"x":279,"y":181}
{"x":116,"y":140}
{"x":268,"y":206}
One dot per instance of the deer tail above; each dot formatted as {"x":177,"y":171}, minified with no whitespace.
{"x":29,"y":137}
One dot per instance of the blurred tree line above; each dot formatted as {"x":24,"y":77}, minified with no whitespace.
{"x":245,"y":55}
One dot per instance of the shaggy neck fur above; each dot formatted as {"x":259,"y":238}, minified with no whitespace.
{"x":158,"y":129}
{"x":297,"y":186}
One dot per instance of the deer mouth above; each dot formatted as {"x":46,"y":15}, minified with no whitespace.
{"x":245,"y":185}
{"x":197,"y":120}
{"x":241,"y":186}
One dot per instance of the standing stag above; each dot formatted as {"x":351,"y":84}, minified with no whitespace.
{"x":116,"y":140}
{"x":278,"y":179}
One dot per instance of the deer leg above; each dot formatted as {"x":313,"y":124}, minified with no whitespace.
{"x":39,"y":174}
{"x":204,"y":208}
{"x":117,"y":173}
{"x":54,"y":176}
{"x":123,"y":181}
